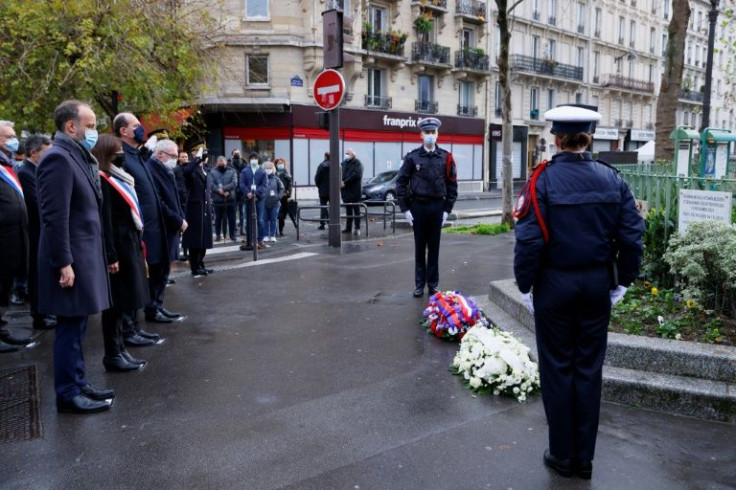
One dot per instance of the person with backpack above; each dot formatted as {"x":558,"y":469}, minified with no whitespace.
{"x":426,"y":190}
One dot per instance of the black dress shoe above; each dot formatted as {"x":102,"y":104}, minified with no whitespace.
{"x":561,"y":466}
{"x":209,"y":271}
{"x":584,"y":469}
{"x":418,"y":292}
{"x":7,"y":347}
{"x":148,"y":335}
{"x":128,"y":357}
{"x":97,"y":393}
{"x":157,"y":317}
{"x":137,"y":341}
{"x":82,"y":404}
{"x":320,"y":227}
{"x":44,"y":322}
{"x":120,"y":364}
{"x":9,"y":339}
{"x":347,"y":231}
{"x":168,"y":314}
{"x":17,"y":300}
{"x":432,"y":290}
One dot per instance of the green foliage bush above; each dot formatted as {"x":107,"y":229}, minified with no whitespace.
{"x":658,"y":227}
{"x":704,"y":263}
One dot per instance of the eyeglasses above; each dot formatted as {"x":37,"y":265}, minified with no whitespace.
{"x":169,"y":154}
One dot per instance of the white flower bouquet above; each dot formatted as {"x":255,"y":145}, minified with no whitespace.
{"x":449,"y":315}
{"x":493,"y":361}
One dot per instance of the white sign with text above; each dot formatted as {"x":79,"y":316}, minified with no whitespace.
{"x":703,"y":206}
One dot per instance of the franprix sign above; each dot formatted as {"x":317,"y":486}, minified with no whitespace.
{"x":329,"y":89}
{"x":702,"y":206}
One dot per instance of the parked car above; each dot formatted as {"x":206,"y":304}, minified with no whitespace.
{"x":382,"y":187}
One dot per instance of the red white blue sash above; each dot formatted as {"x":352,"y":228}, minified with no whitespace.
{"x":9,"y":176}
{"x":128,"y":195}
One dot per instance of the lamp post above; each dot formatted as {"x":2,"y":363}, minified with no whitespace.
{"x":712,"y":17}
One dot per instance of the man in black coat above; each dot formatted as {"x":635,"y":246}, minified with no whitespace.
{"x":322,"y":181}
{"x":72,"y":273}
{"x":198,"y":237}
{"x":161,"y":165}
{"x":351,"y":189}
{"x":36,"y":146}
{"x":127,"y":127}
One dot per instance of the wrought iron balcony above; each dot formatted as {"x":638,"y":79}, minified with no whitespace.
{"x":627,"y":83}
{"x":621,"y":40}
{"x":581,"y":29}
{"x":432,"y":4}
{"x":534,"y":114}
{"x":430,"y":53}
{"x":596,"y":79}
{"x":427,"y":106}
{"x":467,"y":110}
{"x":597,"y":33}
{"x":520,"y":62}
{"x":650,"y":125}
{"x":467,"y":59}
{"x":471,"y":10}
{"x":618,"y":122}
{"x":384,"y":42}
{"x":692,"y":96}
{"x":498,"y":111}
{"x":536,"y":15}
{"x":378,"y":102}
{"x":552,"y":20}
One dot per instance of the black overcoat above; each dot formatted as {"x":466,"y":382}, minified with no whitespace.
{"x":123,"y":245}
{"x":199,"y":208}
{"x":13,"y":230}
{"x":352,"y":177}
{"x":69,"y":202}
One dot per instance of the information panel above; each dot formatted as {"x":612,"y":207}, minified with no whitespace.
{"x":703,"y":206}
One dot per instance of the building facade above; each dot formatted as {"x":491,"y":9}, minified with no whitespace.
{"x":406,"y":59}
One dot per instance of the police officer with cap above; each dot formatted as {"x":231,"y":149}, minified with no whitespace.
{"x":426,"y":189}
{"x":578,"y":247}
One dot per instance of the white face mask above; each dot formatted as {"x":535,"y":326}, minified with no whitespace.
{"x":170,"y":164}
{"x":429,"y":139}
{"x":270,"y":171}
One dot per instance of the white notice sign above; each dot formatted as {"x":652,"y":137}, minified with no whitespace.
{"x":703,"y":206}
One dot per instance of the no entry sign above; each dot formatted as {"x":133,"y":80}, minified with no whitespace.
{"x":329,"y":89}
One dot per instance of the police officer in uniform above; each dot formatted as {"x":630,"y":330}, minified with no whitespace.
{"x":426,"y":190}
{"x":578,"y":247}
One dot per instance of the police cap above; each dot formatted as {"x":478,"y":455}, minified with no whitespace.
{"x":194,"y":145}
{"x":429,"y":123}
{"x":571,"y":119}
{"x":162,"y":134}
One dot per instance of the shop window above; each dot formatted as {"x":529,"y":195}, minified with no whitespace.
{"x":257,"y":10}
{"x":256,"y":67}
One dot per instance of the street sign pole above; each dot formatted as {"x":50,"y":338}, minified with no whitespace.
{"x":334,"y":239}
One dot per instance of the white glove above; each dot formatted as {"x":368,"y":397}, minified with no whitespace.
{"x":528,"y":302}
{"x":200,"y":152}
{"x":151,"y":143}
{"x":444,"y":218}
{"x":617,"y":294}
{"x":408,"y":217}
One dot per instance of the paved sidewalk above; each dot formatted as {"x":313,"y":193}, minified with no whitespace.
{"x":308,"y":370}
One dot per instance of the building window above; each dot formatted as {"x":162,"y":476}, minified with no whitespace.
{"x":465,"y":104}
{"x":652,"y":40}
{"x":256,"y":68}
{"x":596,"y":62}
{"x":467,"y":40}
{"x":378,"y":19}
{"x":425,"y":94}
{"x":664,"y":44}
{"x":631,"y":68}
{"x":651,"y":73}
{"x":376,"y":90}
{"x":552,"y":12}
{"x":578,"y":98}
{"x":597,"y":23}
{"x":550,"y":98}
{"x":498,"y":98}
{"x":535,"y":47}
{"x":534,"y":103}
{"x":581,"y":56}
{"x":552,"y":49}
{"x":666,"y":9}
{"x":632,"y":33}
{"x":621,"y":24}
{"x":581,"y":18}
{"x":257,"y":10}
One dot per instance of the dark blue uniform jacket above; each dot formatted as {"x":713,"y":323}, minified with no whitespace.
{"x":424,"y":175}
{"x":591,"y":216}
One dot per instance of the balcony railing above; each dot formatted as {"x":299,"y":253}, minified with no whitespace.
{"x":596,"y":79}
{"x":467,"y":110}
{"x":384,"y":42}
{"x":618,"y":122}
{"x":430,"y":53}
{"x":471,"y":9}
{"x":498,"y":111}
{"x":650,"y":125}
{"x":621,"y":40}
{"x":651,"y":49}
{"x":520,"y":62}
{"x":472,"y":60}
{"x":428,"y":106}
{"x":552,"y":20}
{"x":692,"y":96}
{"x":536,"y":15}
{"x":627,"y":83}
{"x":379,"y":102}
{"x":581,"y":29}
{"x":654,"y":10}
{"x":597,"y":33}
{"x":441,"y":4}
{"x":534,"y":114}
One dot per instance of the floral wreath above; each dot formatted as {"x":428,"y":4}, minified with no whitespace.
{"x":449,"y":315}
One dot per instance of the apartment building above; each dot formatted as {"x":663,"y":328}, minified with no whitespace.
{"x":406,"y":59}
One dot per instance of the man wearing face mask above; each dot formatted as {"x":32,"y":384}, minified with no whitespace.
{"x":351,"y":190}
{"x":426,"y":189}
{"x":128,"y":128}
{"x":237,"y":162}
{"x":252,"y":184}
{"x":13,"y":229}
{"x":161,"y":166}
{"x":222,"y":182}
{"x":72,"y":279}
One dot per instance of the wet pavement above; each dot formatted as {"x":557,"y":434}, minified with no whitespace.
{"x":308,"y":370}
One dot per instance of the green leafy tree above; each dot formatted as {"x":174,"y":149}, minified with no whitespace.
{"x":155,"y":54}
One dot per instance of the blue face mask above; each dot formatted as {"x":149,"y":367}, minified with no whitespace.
{"x":280,"y":166}
{"x":12,"y":145}
{"x":90,"y":138}
{"x":254,"y":164}
{"x":430,"y":139}
{"x":139,"y":134}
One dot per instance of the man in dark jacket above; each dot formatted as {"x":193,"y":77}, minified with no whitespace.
{"x":127,"y":127}
{"x":351,"y":189}
{"x":198,"y":237}
{"x":36,"y":146}
{"x":223,"y":182}
{"x":322,"y":181}
{"x":252,"y":184}
{"x":72,"y":279}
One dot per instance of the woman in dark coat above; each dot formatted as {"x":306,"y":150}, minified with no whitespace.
{"x":122,"y":226}
{"x":198,"y":236}
{"x":288,"y":206}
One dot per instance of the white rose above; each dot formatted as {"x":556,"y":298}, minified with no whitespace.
{"x":475,"y":382}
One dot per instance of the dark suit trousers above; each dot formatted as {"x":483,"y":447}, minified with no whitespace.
{"x":352,"y":210}
{"x":6,"y":286}
{"x":69,"y":370}
{"x":324,"y":213}
{"x":158,"y":276}
{"x":427,"y":231}
{"x":112,"y":331}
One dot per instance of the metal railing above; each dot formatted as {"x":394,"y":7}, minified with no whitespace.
{"x":552,"y":20}
{"x":467,"y":110}
{"x":384,"y":42}
{"x":536,"y":15}
{"x":471,"y":8}
{"x":472,"y":60}
{"x":620,"y":81}
{"x":380,"y":102}
{"x":388,"y":214}
{"x":430,"y":53}
{"x":520,"y":62}
{"x":432,"y":3}
{"x":692,"y":95}
{"x":429,"y":106}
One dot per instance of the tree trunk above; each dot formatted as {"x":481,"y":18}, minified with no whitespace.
{"x":669,"y":91}
{"x":507,"y":133}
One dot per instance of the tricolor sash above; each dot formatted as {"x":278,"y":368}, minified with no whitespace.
{"x":129,"y":196}
{"x":8,"y":175}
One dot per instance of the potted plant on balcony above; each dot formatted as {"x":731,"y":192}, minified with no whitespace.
{"x":396,"y":40}
{"x":548,"y":65}
{"x":423,"y":24}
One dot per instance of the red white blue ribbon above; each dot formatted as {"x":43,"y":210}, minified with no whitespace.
{"x":129,"y":196}
{"x":9,"y":176}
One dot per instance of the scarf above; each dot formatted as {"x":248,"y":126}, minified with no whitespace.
{"x":124,"y":184}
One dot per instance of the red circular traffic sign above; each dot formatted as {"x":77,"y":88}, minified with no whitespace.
{"x":329,"y":89}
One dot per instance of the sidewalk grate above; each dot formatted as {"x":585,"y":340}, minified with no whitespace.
{"x":20,"y":419}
